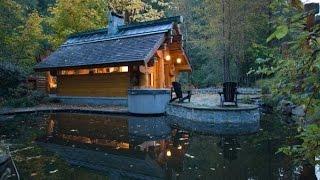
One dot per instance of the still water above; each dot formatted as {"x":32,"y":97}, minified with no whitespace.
{"x":88,"y":146}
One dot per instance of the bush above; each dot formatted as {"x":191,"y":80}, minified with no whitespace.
{"x":265,"y":86}
{"x":54,"y":100}
{"x":23,"y":96}
{"x":11,"y":76}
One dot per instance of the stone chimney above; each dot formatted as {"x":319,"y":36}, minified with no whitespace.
{"x":115,"y":20}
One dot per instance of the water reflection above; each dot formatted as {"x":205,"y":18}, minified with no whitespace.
{"x":229,"y":146}
{"x":126,"y":147}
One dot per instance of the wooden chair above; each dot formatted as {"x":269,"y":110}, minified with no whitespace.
{"x":229,"y":93}
{"x":176,"y":88}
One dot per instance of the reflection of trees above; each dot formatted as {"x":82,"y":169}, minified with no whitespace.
{"x":229,"y":146}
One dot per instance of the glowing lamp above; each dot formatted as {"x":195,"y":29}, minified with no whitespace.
{"x":179,"y":60}
{"x":168,"y":153}
{"x":168,"y":57}
{"x":179,"y":147}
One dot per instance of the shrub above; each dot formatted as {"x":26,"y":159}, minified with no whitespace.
{"x":54,"y":100}
{"x":23,"y":96}
{"x":11,"y":76}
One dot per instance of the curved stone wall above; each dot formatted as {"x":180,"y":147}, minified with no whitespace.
{"x":241,"y":114}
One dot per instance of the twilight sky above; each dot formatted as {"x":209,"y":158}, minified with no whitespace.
{"x":305,"y":1}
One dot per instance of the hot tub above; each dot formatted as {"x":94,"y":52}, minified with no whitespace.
{"x":148,"y":101}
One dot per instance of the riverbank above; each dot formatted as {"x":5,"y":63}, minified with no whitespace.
{"x":66,"y":108}
{"x":202,"y":98}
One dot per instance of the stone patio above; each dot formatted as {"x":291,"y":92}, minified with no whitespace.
{"x":213,"y":100}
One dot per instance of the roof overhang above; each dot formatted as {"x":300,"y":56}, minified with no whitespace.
{"x":115,"y":52}
{"x":91,"y":66}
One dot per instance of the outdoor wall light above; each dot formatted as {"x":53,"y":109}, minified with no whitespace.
{"x":168,"y":57}
{"x":179,"y":147}
{"x":168,"y":153}
{"x":179,"y":60}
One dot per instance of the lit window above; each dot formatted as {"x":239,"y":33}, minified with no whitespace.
{"x":124,"y":69}
{"x":111,"y":69}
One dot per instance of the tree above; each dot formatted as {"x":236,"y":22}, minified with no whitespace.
{"x":29,"y":44}
{"x":214,"y":36}
{"x":139,"y":10}
{"x":72,"y":16}
{"x":11,"y":17}
{"x":291,"y":68}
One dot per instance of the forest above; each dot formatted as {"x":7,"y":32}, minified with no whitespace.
{"x":260,"y":43}
{"x":31,"y":29}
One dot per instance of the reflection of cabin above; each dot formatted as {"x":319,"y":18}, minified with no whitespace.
{"x":121,"y":146}
{"x":107,"y":62}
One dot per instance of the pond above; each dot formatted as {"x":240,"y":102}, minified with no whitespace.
{"x":88,"y":146}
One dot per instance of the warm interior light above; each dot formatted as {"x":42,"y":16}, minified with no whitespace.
{"x":168,"y":57}
{"x":111,"y":69}
{"x":179,"y":60}
{"x":168,"y":153}
{"x":124,"y":69}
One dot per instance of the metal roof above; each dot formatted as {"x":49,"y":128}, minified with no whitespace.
{"x":134,"y":42}
{"x":133,"y":49}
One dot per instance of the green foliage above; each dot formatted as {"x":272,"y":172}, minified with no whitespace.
{"x":11,"y":18}
{"x":72,"y":16}
{"x":204,"y":40}
{"x":23,"y":96}
{"x":11,"y":76}
{"x":140,"y":10}
{"x":280,"y":33}
{"x":309,"y":150}
{"x":292,"y":72}
{"x":29,"y":45}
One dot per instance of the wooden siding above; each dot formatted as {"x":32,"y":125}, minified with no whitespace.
{"x":94,"y":85}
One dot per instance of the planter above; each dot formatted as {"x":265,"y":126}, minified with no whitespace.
{"x":148,"y":101}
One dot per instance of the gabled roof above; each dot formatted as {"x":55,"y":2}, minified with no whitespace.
{"x":133,"y":43}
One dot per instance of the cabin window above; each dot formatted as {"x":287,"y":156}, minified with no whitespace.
{"x":82,"y":71}
{"x":112,"y":69}
{"x":94,"y":70}
{"x":101,"y":70}
{"x":124,"y":69}
{"x":67,"y":72}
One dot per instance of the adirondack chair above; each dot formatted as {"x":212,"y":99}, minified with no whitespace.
{"x":229,"y":93}
{"x":176,"y":88}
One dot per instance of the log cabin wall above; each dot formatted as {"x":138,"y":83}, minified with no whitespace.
{"x":94,"y":85}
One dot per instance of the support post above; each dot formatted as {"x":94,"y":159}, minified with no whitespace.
{"x":146,"y":75}
{"x":161,"y":71}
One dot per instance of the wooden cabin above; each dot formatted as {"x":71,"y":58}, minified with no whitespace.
{"x":107,"y":62}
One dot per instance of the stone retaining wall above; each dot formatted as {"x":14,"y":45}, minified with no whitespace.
{"x":215,"y":115}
